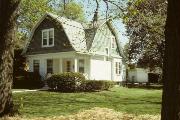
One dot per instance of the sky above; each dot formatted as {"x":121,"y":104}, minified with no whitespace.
{"x":89,"y":7}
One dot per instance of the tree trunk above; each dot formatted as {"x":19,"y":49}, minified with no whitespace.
{"x":171,"y":75}
{"x":8,"y":17}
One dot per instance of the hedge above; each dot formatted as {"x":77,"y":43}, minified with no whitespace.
{"x":153,"y":77}
{"x":97,"y":85}
{"x":28,"y":80}
{"x":66,"y":82}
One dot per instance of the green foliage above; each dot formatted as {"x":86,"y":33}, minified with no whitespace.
{"x":66,"y":82}
{"x":153,"y":78}
{"x":31,"y":11}
{"x":145,"y":21}
{"x":73,"y":82}
{"x":28,"y":80}
{"x":97,"y":85}
{"x":72,"y":10}
{"x":19,"y":63}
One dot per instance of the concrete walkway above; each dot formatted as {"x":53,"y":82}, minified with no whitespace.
{"x":45,"y":88}
{"x":18,"y":91}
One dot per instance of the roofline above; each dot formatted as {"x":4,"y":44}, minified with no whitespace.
{"x":109,"y":24}
{"x":32,"y":32}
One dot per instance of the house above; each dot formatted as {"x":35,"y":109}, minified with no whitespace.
{"x":58,"y":45}
{"x":138,"y":75}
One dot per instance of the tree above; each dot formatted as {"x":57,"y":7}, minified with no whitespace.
{"x":171,"y":76}
{"x":8,"y":13}
{"x":145,"y":21}
{"x":72,"y":10}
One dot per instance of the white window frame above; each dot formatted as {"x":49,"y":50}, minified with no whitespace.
{"x":47,"y":30}
{"x":113,"y":42}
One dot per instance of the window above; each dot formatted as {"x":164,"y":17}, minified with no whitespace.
{"x":49,"y":66}
{"x":118,"y":68}
{"x":68,"y":66}
{"x":81,"y":66}
{"x":107,"y":51}
{"x":48,"y":37}
{"x":113,"y":43}
{"x":36,"y":66}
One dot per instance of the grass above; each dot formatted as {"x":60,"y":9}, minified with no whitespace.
{"x":47,"y":104}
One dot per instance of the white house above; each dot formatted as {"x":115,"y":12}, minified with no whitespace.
{"x":58,"y":45}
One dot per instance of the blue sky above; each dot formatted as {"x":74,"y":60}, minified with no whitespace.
{"x":89,"y":8}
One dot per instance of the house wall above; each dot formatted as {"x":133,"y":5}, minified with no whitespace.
{"x":140,"y":75}
{"x":132,"y":76}
{"x":96,"y":67}
{"x":56,"y":65}
{"x":102,"y":40}
{"x":100,"y":69}
{"x":61,"y":42}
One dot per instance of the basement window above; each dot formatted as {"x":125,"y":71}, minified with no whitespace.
{"x":48,"y":37}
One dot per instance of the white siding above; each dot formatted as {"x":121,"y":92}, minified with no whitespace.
{"x":56,"y":65}
{"x":100,"y":70}
{"x":96,"y":67}
{"x":138,"y":74}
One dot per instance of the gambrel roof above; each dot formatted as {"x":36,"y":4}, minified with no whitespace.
{"x":80,"y":38}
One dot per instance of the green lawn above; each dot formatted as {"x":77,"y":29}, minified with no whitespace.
{"x":43,"y":103}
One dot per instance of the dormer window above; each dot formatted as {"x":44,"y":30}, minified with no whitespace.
{"x":48,"y":37}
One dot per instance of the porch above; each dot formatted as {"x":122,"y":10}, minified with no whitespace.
{"x":52,"y":65}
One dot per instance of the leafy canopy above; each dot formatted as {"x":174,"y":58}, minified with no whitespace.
{"x":145,"y":21}
{"x":72,"y":10}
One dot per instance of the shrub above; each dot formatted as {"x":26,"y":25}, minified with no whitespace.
{"x":66,"y":82}
{"x":153,"y":77}
{"x":28,"y":80}
{"x":97,"y":85}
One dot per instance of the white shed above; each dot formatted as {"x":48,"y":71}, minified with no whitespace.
{"x":139,"y":75}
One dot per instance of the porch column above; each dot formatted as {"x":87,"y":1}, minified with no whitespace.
{"x":60,"y":65}
{"x":75,"y":65}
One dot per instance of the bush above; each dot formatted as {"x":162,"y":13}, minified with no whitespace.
{"x":66,"y":82}
{"x":28,"y":80}
{"x":97,"y":85}
{"x":153,"y":77}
